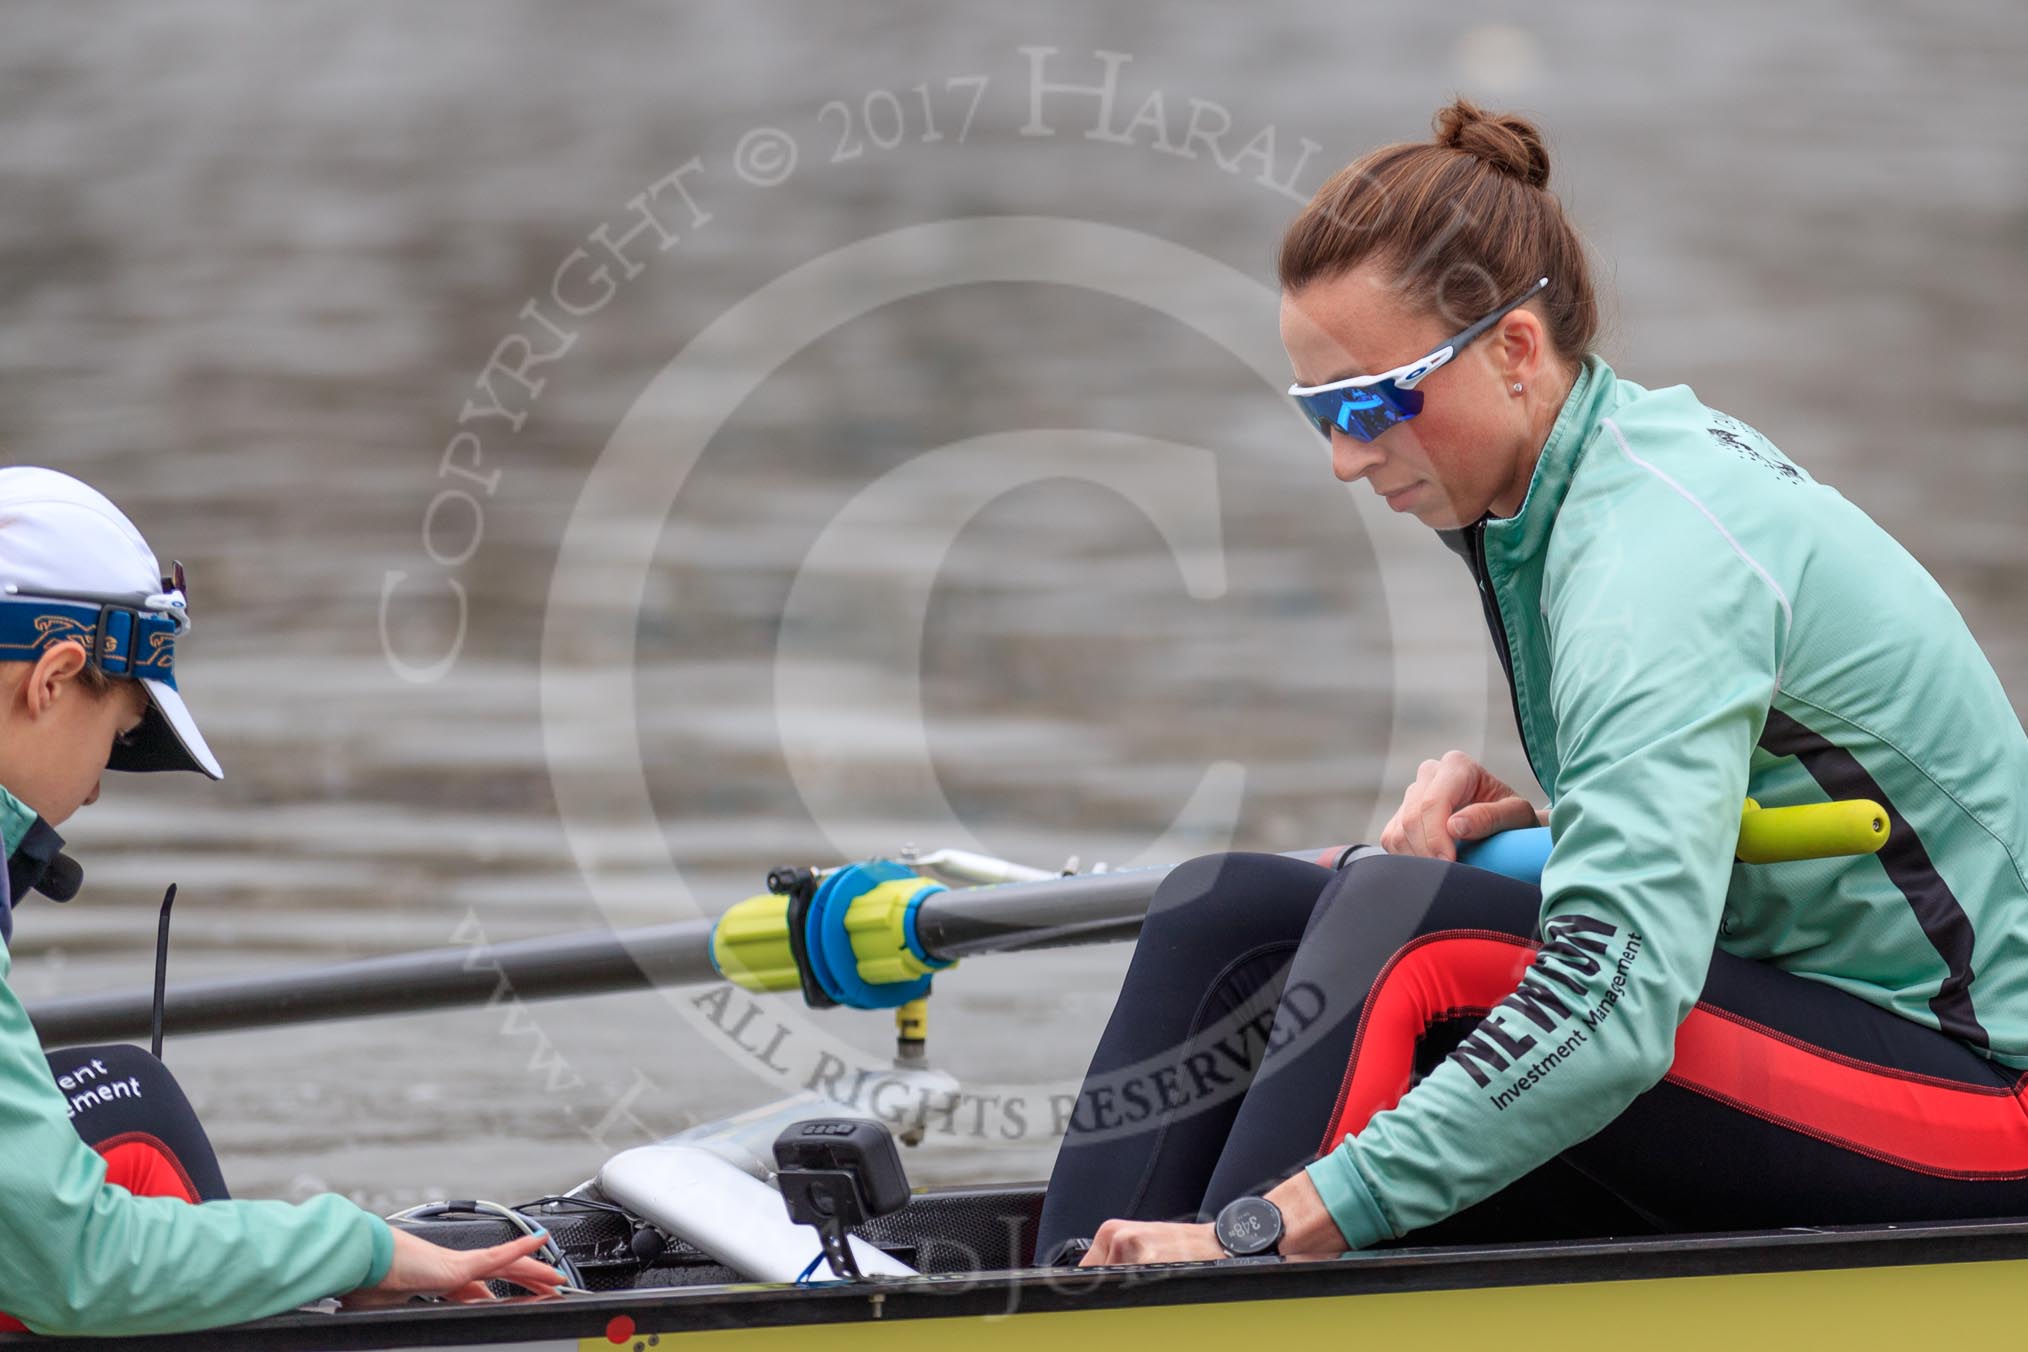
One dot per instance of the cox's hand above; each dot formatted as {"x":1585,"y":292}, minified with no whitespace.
{"x":425,"y":1269}
{"x":1454,"y":799}
{"x":1118,"y":1243}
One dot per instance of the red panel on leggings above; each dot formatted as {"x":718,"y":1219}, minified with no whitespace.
{"x":1427,"y":979}
{"x":1919,"y":1122}
{"x":143,"y":1166}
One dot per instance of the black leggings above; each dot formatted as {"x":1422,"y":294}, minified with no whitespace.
{"x":1201,"y":1089}
{"x":126,"y":1105}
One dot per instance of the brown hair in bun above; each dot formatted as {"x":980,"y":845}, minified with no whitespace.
{"x":1464,"y":222}
{"x":1508,"y":143}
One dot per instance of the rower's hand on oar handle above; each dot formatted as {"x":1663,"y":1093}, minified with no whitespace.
{"x":425,"y":1269}
{"x":1455,"y":799}
{"x":1773,"y":835}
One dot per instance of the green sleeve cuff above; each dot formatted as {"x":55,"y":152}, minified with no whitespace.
{"x":383,"y":1251}
{"x":1349,"y":1200}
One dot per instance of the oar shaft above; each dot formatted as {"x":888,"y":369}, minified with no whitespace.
{"x":531,"y":969}
{"x":1092,"y":908}
{"x":1053,"y":913}
{"x":1089,"y":908}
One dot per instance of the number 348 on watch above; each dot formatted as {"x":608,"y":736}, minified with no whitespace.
{"x":1249,"y":1226}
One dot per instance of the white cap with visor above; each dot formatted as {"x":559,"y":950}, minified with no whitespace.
{"x":72,"y":567}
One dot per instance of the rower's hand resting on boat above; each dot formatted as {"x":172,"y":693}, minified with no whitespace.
{"x":1308,"y":1232}
{"x":425,"y":1269}
{"x":1120,"y":1243}
{"x":1455,"y":799}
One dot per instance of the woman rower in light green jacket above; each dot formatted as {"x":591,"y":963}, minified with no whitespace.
{"x":1310,"y":1058}
{"x":113,"y":1215}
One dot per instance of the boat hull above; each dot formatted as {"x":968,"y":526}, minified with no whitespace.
{"x":1859,"y":1286}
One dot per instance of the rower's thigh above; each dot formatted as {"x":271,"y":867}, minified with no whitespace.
{"x":1792,"y":1103}
{"x":1182,"y":1042}
{"x":122,"y":1098}
{"x":1215,"y":946}
{"x":1470,"y":933}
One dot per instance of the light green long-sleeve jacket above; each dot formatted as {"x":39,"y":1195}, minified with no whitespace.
{"x":81,"y":1256}
{"x":1688,"y":619}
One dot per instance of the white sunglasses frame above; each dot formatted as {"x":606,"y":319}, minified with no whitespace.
{"x":1414,"y":373}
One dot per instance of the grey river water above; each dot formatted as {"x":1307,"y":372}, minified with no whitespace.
{"x":253,"y":257}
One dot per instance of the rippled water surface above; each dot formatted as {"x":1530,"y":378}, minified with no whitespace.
{"x":252,"y":259}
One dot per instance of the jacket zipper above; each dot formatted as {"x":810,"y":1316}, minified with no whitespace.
{"x":1490,"y":603}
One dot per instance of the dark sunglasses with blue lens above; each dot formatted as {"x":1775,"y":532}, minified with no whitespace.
{"x":1365,"y":406}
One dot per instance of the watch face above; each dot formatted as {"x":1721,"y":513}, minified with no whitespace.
{"x":1249,"y":1226}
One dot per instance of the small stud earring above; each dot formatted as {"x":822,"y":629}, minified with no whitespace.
{"x":1517,"y":387}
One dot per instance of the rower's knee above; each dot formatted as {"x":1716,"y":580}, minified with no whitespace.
{"x":1385,"y":884}
{"x":1409,"y":895}
{"x":1246,"y":897}
{"x":106,"y":1062}
{"x":1378,"y":872}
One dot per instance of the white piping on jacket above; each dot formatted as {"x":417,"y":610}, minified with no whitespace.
{"x":1788,"y":611}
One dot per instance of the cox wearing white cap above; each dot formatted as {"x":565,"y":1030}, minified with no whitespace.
{"x":114,"y":1218}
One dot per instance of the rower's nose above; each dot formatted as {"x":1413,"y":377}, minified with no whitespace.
{"x":1351,"y":458}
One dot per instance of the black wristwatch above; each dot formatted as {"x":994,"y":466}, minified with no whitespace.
{"x":1249,"y":1226}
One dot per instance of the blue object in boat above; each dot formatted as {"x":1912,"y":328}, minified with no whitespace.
{"x":1518,"y":854}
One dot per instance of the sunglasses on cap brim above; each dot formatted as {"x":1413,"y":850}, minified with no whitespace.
{"x":1363,"y":407}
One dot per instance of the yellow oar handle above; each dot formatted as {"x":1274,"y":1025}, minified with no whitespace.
{"x":1775,"y":835}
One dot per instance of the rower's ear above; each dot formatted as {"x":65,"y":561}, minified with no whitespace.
{"x":43,"y":684}
{"x":61,"y":672}
{"x":1522,"y":347}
